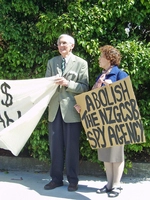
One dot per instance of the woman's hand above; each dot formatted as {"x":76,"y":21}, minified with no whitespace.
{"x":107,"y":82}
{"x":78,"y":108}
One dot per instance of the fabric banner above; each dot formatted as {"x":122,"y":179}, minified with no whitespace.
{"x":110,"y":115}
{"x":22,"y":104}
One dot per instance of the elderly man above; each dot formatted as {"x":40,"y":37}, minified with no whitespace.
{"x":71,"y":74}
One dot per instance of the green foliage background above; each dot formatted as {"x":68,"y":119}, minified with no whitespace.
{"x":28,"y":33}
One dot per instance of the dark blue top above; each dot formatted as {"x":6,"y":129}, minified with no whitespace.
{"x":115,"y":74}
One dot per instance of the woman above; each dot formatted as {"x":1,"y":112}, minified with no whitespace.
{"x":113,"y":157}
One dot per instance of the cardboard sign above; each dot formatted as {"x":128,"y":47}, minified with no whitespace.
{"x":110,"y":115}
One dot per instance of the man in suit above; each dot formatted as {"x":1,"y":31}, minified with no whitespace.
{"x":64,"y":121}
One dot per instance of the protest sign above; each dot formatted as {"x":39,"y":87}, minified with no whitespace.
{"x":110,"y":115}
{"x":22,"y":104}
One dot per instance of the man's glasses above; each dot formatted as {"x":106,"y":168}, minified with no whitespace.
{"x":62,"y":44}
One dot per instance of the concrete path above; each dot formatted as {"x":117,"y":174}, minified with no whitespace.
{"x":21,"y":185}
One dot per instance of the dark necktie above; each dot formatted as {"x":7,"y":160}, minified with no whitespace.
{"x":63,"y":65}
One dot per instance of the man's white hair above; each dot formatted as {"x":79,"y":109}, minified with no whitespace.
{"x":71,"y":40}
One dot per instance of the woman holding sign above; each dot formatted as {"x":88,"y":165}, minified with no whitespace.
{"x":113,"y":157}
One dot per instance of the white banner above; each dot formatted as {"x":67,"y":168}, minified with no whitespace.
{"x":22,"y":104}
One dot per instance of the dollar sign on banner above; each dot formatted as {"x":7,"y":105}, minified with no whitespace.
{"x":8,"y":102}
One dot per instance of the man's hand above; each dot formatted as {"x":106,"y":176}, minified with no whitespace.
{"x":61,"y":81}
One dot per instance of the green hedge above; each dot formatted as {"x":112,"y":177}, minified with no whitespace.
{"x":28,"y":33}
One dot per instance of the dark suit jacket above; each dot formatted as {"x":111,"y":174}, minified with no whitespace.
{"x":77,"y":74}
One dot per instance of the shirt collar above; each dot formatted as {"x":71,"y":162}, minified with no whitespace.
{"x":68,"y":57}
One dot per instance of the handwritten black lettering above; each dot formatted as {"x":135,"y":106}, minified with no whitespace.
{"x":96,"y":136}
{"x":113,"y":94}
{"x":89,"y":104}
{"x":128,"y":111}
{"x":2,"y":121}
{"x":112,"y":136}
{"x":135,"y":112}
{"x":117,"y":114}
{"x":118,"y":93}
{"x":102,"y":97}
{"x":96,"y":100}
{"x":91,"y":139}
{"x":140,"y":125}
{"x":125,"y":90}
{"x":90,"y":119}
{"x":109,"y":102}
{"x":8,"y":102}
{"x":6,"y":120}
{"x":131,"y":127}
{"x":110,"y":115}
{"x":102,"y":133}
{"x":122,"y":111}
{"x":118,"y":130}
{"x":103,"y":116}
{"x":124,"y":133}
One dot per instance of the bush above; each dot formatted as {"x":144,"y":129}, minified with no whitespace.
{"x":28,"y":34}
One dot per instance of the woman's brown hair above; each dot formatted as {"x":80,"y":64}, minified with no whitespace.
{"x":112,"y":54}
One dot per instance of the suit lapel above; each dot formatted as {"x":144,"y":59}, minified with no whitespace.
{"x":59,"y":61}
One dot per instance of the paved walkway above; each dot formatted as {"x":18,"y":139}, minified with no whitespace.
{"x":21,"y":185}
